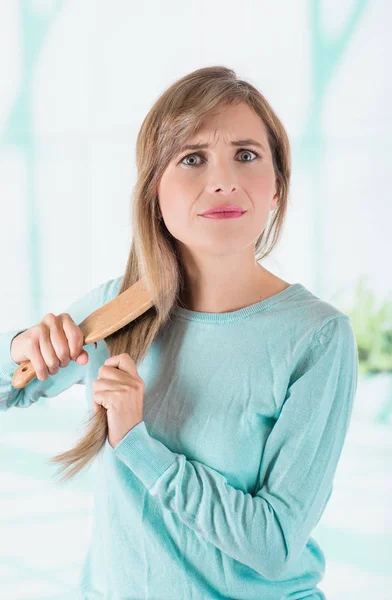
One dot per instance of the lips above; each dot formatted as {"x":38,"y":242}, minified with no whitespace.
{"x":224,"y":215}
{"x":224,"y":209}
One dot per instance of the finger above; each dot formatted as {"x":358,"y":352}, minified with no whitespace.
{"x":47,"y":351}
{"x":74,"y":336}
{"x":111,"y":373}
{"x":104,"y":397}
{"x":109,"y":385}
{"x":96,"y":406}
{"x":123,"y":362}
{"x":60,"y":343}
{"x":38,"y":359}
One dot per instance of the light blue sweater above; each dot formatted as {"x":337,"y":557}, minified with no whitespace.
{"x":216,"y":492}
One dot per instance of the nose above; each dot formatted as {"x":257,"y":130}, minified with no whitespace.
{"x":222,"y":177}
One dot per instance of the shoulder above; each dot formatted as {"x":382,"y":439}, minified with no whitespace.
{"x":318,"y":307}
{"x":93,"y":299}
{"x":315,"y":328}
{"x":337,"y":332}
{"x":317,"y":316}
{"x":110,"y":289}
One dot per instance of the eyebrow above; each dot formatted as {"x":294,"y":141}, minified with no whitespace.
{"x":245,"y":142}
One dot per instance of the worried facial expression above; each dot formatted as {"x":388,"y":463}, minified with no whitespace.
{"x":235,"y":169}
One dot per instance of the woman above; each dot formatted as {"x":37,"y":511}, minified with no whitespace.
{"x":244,"y":385}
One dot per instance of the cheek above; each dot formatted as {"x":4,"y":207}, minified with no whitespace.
{"x":261,"y":190}
{"x":262,"y":179}
{"x":176,"y":197}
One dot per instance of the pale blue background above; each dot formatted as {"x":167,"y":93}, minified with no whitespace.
{"x":77,"y":78}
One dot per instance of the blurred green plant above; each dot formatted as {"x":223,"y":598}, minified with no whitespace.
{"x":372,"y":324}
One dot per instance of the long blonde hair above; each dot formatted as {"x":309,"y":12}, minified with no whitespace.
{"x":172,"y":120}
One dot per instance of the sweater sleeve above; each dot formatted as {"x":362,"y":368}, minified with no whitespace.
{"x":266,"y":531}
{"x":55,"y":384}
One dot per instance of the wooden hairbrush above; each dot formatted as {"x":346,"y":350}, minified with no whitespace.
{"x":107,"y":319}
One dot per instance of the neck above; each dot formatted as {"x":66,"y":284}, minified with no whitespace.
{"x":220,"y":290}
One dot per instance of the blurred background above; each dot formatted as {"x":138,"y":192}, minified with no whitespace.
{"x":77,"y":79}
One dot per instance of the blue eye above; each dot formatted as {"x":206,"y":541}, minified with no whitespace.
{"x":202,"y":156}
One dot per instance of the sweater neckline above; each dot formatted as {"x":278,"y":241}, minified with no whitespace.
{"x":236,"y":315}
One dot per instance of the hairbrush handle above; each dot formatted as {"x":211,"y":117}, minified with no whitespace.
{"x":107,"y":319}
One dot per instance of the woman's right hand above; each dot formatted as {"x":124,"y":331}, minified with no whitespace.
{"x":50,"y":344}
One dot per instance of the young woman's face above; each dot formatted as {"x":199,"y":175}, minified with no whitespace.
{"x":197,"y":180}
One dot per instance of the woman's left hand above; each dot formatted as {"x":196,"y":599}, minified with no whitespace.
{"x":120,"y":390}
